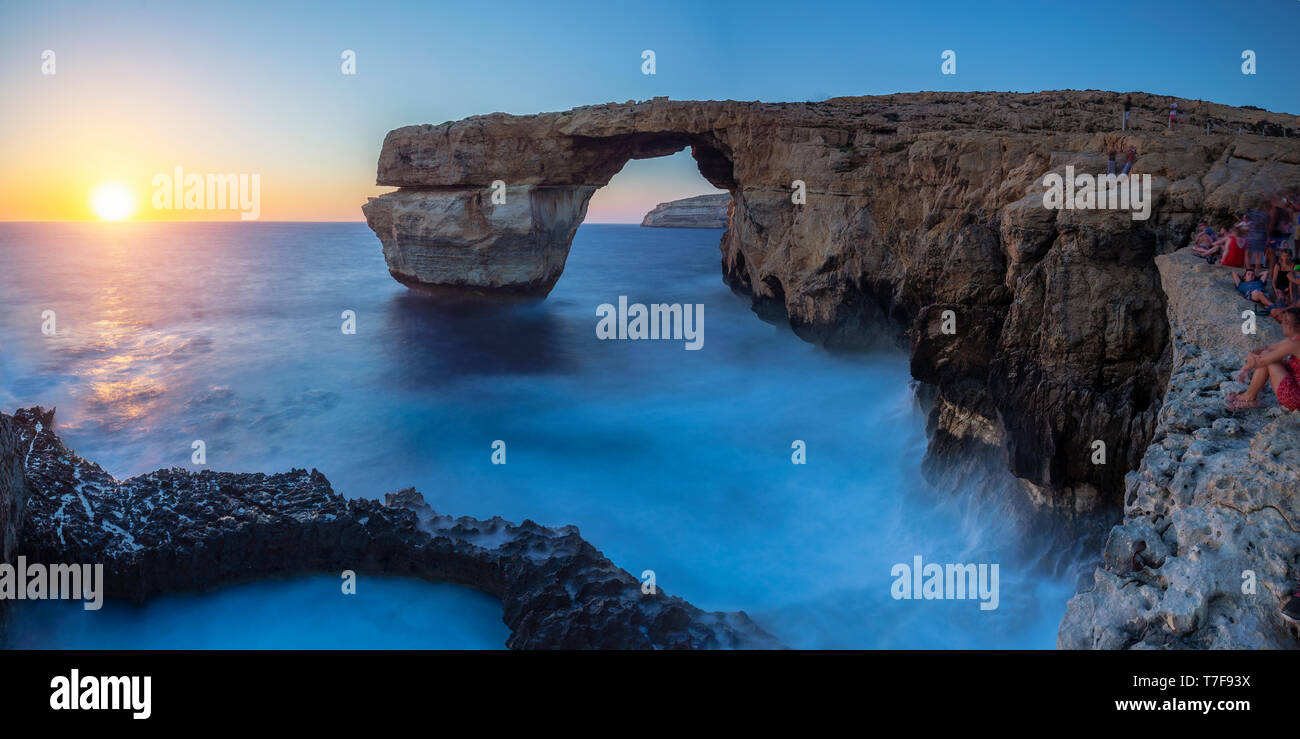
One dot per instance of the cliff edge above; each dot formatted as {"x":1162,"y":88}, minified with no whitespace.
{"x":1209,"y":548}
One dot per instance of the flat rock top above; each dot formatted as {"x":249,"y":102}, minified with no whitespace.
{"x":698,"y":201}
{"x":1061,"y":110}
{"x":1208,"y":306}
{"x":830,"y":141}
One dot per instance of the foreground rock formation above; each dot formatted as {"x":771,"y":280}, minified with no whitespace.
{"x":918,"y":206}
{"x":178,"y":530}
{"x":701,"y":211}
{"x":13,"y":495}
{"x":1209,"y":549}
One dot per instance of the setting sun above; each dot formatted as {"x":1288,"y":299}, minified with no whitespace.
{"x":112,"y":201}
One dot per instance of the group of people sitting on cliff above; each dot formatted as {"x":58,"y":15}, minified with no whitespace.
{"x":1258,"y":237}
{"x":1262,"y":244}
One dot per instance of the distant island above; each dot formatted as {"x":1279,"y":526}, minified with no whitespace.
{"x":701,"y":211}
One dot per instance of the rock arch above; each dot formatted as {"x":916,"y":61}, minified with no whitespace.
{"x":444,"y":232}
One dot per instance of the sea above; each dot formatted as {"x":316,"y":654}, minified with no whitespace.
{"x":758,"y":472}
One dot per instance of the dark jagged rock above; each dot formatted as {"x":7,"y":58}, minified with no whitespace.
{"x":175,"y":529}
{"x":13,"y":494}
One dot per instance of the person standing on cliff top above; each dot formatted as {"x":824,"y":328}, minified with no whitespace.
{"x":1173,"y":113}
{"x":1128,"y":103}
{"x":1277,"y":364}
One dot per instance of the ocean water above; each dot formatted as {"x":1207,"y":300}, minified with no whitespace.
{"x":668,"y":460}
{"x":299,"y":613}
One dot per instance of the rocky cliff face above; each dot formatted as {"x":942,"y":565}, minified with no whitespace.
{"x":701,"y":211}
{"x":919,"y":208}
{"x":13,"y":495}
{"x":178,"y":530}
{"x":1209,"y":548}
{"x":13,"y":492}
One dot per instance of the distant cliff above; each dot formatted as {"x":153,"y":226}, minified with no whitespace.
{"x":701,"y":211}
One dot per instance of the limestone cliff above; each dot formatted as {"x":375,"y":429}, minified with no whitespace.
{"x":701,"y":211}
{"x":1209,"y":548}
{"x":918,"y":207}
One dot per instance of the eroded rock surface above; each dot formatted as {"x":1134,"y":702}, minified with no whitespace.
{"x":1214,"y":507}
{"x":701,"y":211}
{"x":179,"y":530}
{"x":13,"y":495}
{"x":917,"y":205}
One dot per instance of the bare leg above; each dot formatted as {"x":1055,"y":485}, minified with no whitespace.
{"x":1277,"y":372}
{"x":1257,"y":383}
{"x":1244,"y":374}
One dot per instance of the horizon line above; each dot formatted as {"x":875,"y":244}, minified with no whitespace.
{"x":88,"y":220}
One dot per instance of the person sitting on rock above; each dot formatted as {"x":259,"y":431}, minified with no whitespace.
{"x":1204,"y":234}
{"x":1209,"y":245}
{"x":1286,"y":287}
{"x":1251,"y":285}
{"x":1203,"y":239}
{"x":1277,"y":364}
{"x":1280,"y":277}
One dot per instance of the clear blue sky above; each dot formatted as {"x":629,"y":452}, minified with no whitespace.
{"x":265,"y":81}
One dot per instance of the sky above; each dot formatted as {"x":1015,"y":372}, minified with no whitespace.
{"x":140,"y":88}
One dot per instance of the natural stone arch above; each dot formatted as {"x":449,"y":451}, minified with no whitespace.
{"x":460,"y":238}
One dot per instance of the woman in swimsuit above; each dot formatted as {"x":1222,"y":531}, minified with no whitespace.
{"x":1282,"y":274}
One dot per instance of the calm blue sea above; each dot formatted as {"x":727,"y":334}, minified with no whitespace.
{"x":667,"y":460}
